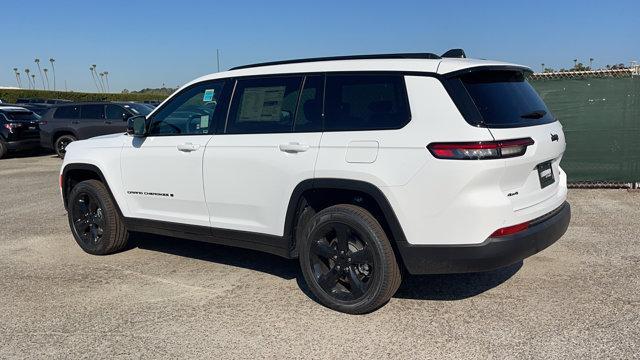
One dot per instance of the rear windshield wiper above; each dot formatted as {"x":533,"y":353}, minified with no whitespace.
{"x":537,"y":114}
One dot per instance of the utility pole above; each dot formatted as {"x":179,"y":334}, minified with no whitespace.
{"x":218,"y":58}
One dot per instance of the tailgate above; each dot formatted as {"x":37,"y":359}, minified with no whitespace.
{"x":511,"y":109}
{"x":526,"y":179}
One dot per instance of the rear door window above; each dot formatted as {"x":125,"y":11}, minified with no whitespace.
{"x":505,"y":99}
{"x":264,"y":105}
{"x":365,"y":102}
{"x":309,"y":114}
{"x":67,"y":112}
{"x":92,"y":111}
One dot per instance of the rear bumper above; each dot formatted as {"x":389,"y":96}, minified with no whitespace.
{"x":26,"y":144}
{"x":491,"y":254}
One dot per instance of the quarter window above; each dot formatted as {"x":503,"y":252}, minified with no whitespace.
{"x":189,"y":113}
{"x":365,"y":102}
{"x":67,"y":112}
{"x":264,"y":105}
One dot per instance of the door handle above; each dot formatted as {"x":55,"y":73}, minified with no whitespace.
{"x":107,"y":122}
{"x":293,"y":147}
{"x":188,"y":147}
{"x":75,"y":122}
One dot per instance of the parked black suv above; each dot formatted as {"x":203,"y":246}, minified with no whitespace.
{"x":18,"y":129}
{"x":65,"y":123}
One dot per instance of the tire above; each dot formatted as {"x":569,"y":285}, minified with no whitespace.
{"x":61,"y":144}
{"x":3,"y":149}
{"x":361,"y":279}
{"x":94,"y":221}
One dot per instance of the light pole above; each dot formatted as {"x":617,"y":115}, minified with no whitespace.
{"x":93,"y":76}
{"x":106,"y":78}
{"x":102,"y":81}
{"x":15,"y":70}
{"x":52,"y":60}
{"x":26,"y":71}
{"x":37,"y":61}
{"x":46,"y":76}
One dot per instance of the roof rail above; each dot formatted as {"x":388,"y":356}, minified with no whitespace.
{"x":348,"y":57}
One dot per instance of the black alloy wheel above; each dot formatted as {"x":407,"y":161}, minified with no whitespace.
{"x":88,"y":219}
{"x":347,"y":260}
{"x":61,"y":144}
{"x":95,"y":222}
{"x":341,"y":261}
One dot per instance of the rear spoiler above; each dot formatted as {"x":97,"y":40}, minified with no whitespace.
{"x":454,"y":53}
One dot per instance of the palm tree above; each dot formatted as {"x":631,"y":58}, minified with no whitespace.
{"x":591,"y":63}
{"x":37,"y":61}
{"x":52,"y":60}
{"x":575,"y":63}
{"x":46,"y":77}
{"x":26,"y":71}
{"x":542,"y":65}
{"x":106,"y":77}
{"x":33,"y":77}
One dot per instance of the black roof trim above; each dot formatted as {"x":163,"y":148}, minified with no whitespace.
{"x":348,"y":57}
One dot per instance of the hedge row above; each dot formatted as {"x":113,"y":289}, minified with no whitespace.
{"x":10,"y":96}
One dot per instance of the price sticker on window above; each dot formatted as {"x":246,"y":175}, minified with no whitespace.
{"x":208,"y":95}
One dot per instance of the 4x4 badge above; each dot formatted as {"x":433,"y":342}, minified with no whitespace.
{"x":554,"y":137}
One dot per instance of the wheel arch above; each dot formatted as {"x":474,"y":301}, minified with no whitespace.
{"x":74,"y":173}
{"x":64,"y":131}
{"x":373,"y":200}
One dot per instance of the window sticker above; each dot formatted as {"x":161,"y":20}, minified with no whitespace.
{"x":262,"y":104}
{"x":208,"y":95}
{"x":204,"y":121}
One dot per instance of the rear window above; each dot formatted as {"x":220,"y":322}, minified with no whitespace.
{"x":505,"y":98}
{"x":67,"y":112}
{"x":21,"y":115}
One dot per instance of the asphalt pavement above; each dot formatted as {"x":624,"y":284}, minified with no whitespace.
{"x":172,"y":298}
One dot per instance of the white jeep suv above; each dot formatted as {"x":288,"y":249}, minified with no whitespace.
{"x":359,"y":166}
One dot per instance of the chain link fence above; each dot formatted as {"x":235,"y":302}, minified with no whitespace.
{"x":600,"y":112}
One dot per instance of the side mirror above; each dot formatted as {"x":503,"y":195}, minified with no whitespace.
{"x":138,"y":126}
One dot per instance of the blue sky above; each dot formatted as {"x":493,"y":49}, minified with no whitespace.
{"x":148,"y":43}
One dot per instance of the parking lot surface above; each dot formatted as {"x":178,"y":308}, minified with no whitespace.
{"x":172,"y":298}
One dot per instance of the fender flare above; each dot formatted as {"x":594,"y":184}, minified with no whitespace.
{"x":341,"y":184}
{"x":64,"y":182}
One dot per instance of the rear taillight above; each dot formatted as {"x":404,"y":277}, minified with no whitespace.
{"x":510,"y":230}
{"x":11,"y":126}
{"x":480,"y":150}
